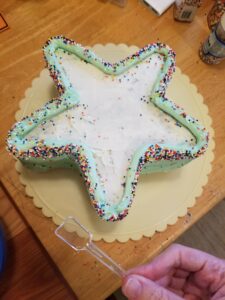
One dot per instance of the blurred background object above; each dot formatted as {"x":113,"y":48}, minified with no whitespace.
{"x":159,"y":7}
{"x":185,"y":10}
{"x":215,"y":13}
{"x":213,"y":49}
{"x":2,"y":249}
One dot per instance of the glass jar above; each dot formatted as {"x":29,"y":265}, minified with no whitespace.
{"x":185,"y":10}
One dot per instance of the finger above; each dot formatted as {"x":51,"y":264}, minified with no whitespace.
{"x":173,"y":281}
{"x":136,"y":287}
{"x":175,"y":257}
{"x":191,"y":288}
{"x":178,"y":292}
{"x":164,"y":281}
{"x":179,"y":273}
{"x":191,"y":297}
{"x":177,"y":283}
{"x":220,"y":294}
{"x":211,"y":277}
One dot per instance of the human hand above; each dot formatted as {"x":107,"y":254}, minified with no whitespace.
{"x":178,"y":273}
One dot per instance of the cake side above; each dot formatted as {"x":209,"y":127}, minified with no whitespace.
{"x":148,"y":155}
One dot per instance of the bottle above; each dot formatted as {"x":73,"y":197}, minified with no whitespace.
{"x":185,"y":10}
{"x":215,"y":13}
{"x":213,"y":49}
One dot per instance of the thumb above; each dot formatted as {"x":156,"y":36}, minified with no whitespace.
{"x":137,"y":287}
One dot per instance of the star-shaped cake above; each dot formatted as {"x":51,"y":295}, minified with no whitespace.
{"x":112,"y":121}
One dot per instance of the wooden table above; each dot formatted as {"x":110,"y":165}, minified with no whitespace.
{"x":91,"y":22}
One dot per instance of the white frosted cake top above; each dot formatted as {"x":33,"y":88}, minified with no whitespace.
{"x":114,"y":118}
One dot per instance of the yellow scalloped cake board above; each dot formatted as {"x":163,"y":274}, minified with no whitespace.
{"x":160,"y":198}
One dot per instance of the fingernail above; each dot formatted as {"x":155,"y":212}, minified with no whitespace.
{"x":132,"y":288}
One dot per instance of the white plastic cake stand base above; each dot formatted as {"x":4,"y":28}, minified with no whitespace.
{"x":160,"y":198}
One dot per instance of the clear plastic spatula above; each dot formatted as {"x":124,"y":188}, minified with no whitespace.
{"x":74,"y":234}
